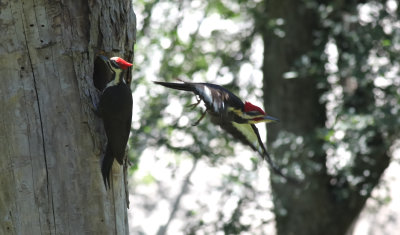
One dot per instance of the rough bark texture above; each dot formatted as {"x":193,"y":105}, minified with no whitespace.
{"x":299,"y":112}
{"x":50,"y":140}
{"x":314,"y":208}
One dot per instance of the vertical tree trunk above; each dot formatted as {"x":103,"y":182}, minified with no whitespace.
{"x":296,"y":103}
{"x":316,"y":207}
{"x":50,"y":140}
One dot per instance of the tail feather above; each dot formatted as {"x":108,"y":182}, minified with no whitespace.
{"x":106,"y":165}
{"x":277,"y":170}
{"x":177,"y":86}
{"x":265,"y":155}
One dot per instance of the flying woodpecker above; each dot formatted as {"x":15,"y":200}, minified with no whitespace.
{"x":231,"y":114}
{"x":115,"y":108}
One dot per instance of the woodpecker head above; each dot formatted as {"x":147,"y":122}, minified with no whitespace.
{"x":255,"y":114}
{"x":116,"y":66}
{"x":117,"y":63}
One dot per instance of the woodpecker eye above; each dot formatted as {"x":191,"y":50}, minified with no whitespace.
{"x":254,"y":113}
{"x":114,"y":64}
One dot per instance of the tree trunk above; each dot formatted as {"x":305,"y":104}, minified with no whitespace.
{"x":315,"y":208}
{"x":295,"y":103}
{"x":50,"y":140}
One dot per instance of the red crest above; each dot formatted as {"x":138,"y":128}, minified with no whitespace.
{"x":122,"y":63}
{"x":251,"y":107}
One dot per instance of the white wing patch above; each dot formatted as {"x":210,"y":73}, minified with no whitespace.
{"x":216,"y":108}
{"x":207,"y":94}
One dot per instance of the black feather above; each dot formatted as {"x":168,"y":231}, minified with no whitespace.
{"x":177,"y":86}
{"x":115,"y":108}
{"x":106,"y":165}
{"x":217,"y":100}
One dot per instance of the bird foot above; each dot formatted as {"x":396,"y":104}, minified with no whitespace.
{"x":201,"y":118}
{"x":195,"y":104}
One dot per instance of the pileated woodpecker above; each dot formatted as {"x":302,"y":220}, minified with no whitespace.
{"x":115,"y":108}
{"x":228,"y":111}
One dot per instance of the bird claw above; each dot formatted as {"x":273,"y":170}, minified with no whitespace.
{"x":195,"y":104}
{"x":201,"y":118}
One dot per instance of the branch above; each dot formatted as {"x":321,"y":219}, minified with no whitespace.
{"x":163,"y":229}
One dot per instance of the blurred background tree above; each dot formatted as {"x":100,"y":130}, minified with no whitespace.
{"x":328,"y":69}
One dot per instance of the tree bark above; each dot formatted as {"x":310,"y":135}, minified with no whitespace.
{"x":316,"y":207}
{"x":50,"y":140}
{"x":295,"y":103}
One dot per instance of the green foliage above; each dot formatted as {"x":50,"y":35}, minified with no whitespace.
{"x":359,"y":77}
{"x":186,"y":56}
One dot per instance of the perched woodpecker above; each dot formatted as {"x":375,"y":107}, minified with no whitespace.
{"x":115,"y":108}
{"x":231,"y":114}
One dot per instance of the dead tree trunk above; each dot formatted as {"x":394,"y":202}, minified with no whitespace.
{"x":50,"y":140}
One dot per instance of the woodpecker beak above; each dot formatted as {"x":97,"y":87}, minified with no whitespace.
{"x":270,"y":119}
{"x":266,"y":119}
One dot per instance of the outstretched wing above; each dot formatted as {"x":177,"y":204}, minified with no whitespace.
{"x":221,"y":105}
{"x":216,"y":98}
